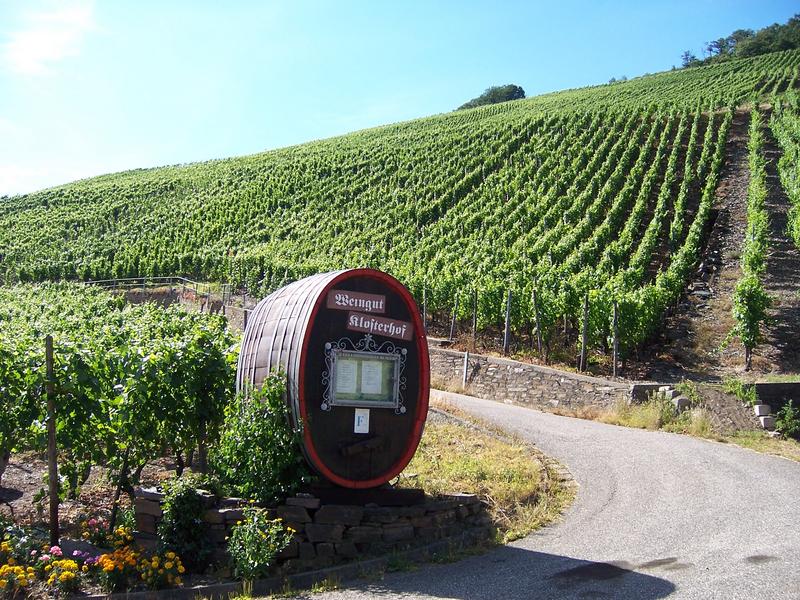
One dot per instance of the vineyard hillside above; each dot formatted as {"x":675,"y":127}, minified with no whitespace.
{"x":588,"y":197}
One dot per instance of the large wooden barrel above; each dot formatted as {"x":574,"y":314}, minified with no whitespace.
{"x":353,"y":348}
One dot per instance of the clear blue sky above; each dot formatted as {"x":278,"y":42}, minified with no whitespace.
{"x":93,"y":87}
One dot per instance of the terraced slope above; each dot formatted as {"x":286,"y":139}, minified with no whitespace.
{"x":604,"y":191}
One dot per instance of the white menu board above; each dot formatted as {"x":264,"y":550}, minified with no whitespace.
{"x":346,"y":376}
{"x":372,"y":377}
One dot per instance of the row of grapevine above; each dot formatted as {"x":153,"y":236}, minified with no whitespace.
{"x":130,"y":381}
{"x":750,"y":300}
{"x":785,"y":125}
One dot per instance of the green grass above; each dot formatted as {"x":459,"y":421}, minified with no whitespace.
{"x":772,"y":378}
{"x":761,"y":442}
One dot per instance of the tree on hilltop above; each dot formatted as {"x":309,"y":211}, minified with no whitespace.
{"x":495,"y":94}
{"x":744,"y":43}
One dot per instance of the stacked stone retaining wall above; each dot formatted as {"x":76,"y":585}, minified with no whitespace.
{"x":515,"y":382}
{"x":329,"y":533}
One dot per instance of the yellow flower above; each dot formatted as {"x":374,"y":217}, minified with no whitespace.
{"x":181,"y":569}
{"x":170,"y":555}
{"x":11,"y":561}
{"x":3,"y":584}
{"x":168,"y":565}
{"x":178,"y":581}
{"x":47,"y":568}
{"x":85,"y":568}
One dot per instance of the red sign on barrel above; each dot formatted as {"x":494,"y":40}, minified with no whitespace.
{"x":399,"y":330}
{"x":359,"y":301}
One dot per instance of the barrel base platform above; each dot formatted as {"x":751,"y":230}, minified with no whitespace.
{"x":327,"y":534}
{"x":382,"y":496}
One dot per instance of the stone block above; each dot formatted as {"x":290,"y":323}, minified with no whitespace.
{"x":364,"y":534}
{"x":339,"y":514}
{"x":231,"y":515}
{"x":427,"y":533}
{"x":291,"y":551}
{"x":213,"y":516}
{"x":767,"y":422}
{"x":207,"y":498}
{"x":396,"y":533}
{"x":217,"y":536}
{"x":442,"y":504}
{"x":762,"y":410}
{"x":307,"y":501}
{"x":326,"y":550}
{"x":422,"y":521}
{"x":145,"y":523}
{"x":295,"y":514}
{"x":147,"y":541}
{"x":232,"y":502}
{"x":411,"y":511}
{"x":681,"y":403}
{"x":381,"y":514}
{"x":148,"y":494}
{"x":324,"y":532}
{"x":306,"y":551}
{"x":463,"y":498}
{"x":147,"y":507}
{"x":444,"y":517}
{"x":346,"y":549}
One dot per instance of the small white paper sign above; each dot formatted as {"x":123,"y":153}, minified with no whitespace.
{"x":346,"y":376}
{"x":372,"y":377}
{"x":361,"y":424}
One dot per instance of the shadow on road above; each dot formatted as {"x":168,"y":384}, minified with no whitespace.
{"x":510,"y":572}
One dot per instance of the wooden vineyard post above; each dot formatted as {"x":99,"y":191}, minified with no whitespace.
{"x":474,"y":315}
{"x":615,"y":326}
{"x":538,"y":322}
{"x":584,"y":333}
{"x":453,"y":319}
{"x":244,"y":318}
{"x":52,"y":458}
{"x":507,"y":331}
{"x":466,"y":369}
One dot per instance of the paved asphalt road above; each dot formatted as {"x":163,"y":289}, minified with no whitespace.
{"x":657,"y":515}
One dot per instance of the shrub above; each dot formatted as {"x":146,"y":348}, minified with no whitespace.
{"x":255,"y":541}
{"x":787,"y":421}
{"x":258,"y":455}
{"x":180,"y":530}
{"x":744,"y":391}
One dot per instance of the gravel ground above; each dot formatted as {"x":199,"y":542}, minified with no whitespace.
{"x":657,"y":515}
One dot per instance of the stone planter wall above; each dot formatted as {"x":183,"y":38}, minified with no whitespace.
{"x":329,"y":534}
{"x":515,"y":382}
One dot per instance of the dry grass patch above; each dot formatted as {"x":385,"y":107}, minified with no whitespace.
{"x":523,"y":488}
{"x":655,"y":414}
